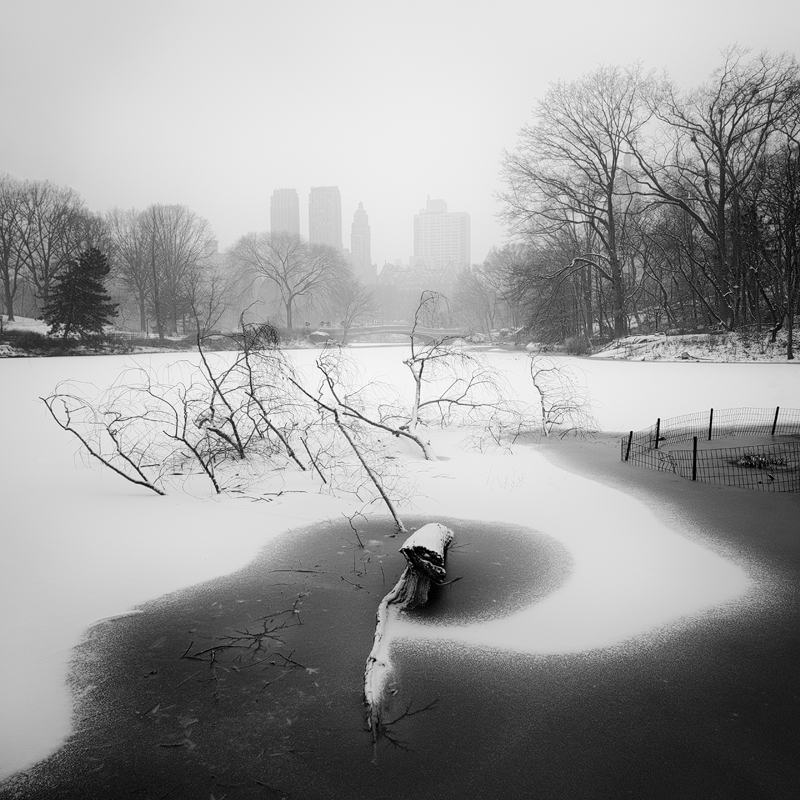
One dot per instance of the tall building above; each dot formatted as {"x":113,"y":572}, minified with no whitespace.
{"x":325,"y":216}
{"x":441,"y":238}
{"x":360,"y":250}
{"x":284,"y":211}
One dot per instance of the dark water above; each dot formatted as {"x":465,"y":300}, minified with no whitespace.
{"x":251,"y":685}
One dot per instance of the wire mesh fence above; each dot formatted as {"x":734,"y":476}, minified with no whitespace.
{"x":771,"y":468}
{"x":768,"y":467}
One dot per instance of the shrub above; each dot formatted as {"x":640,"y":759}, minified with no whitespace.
{"x":35,"y":342}
{"x":759,"y":461}
{"x":577,"y":345}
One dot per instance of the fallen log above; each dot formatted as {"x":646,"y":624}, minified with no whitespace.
{"x":425,"y":552}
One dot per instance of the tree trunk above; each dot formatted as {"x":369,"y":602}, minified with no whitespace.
{"x":425,"y":553}
{"x":8,"y":298}
{"x":156,"y":297}
{"x":721,"y":260}
{"x":289,"y":303}
{"x":790,"y":310}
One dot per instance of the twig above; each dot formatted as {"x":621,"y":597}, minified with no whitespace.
{"x":67,"y":427}
{"x":313,"y":460}
{"x":353,"y":527}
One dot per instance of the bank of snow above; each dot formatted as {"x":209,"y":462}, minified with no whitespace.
{"x":709,"y":347}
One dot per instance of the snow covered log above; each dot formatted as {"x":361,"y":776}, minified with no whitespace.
{"x":425,"y":552}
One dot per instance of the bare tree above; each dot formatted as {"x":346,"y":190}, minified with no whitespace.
{"x":129,"y":242}
{"x":348,"y":421}
{"x":568,"y":171}
{"x":563,"y":402}
{"x":105,"y":434}
{"x":512,"y":266}
{"x":10,"y":257}
{"x":780,"y":205}
{"x":296,"y":268}
{"x":712,"y":142}
{"x":480,"y":296}
{"x":450,"y":383}
{"x":178,"y":243}
{"x":349,"y":302}
{"x":53,"y":228}
{"x":211,"y":290}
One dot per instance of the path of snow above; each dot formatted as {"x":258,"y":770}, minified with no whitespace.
{"x":79,"y":544}
{"x":629,"y":572}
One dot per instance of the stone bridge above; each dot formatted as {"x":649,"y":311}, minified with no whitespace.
{"x":423,"y":334}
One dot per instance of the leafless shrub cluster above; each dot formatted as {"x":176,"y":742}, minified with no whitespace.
{"x":452,"y":386}
{"x":563,"y":401}
{"x":233,"y":422}
{"x":153,"y":425}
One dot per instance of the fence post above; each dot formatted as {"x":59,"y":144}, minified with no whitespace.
{"x":694,"y":459}
{"x":775,"y":421}
{"x":658,"y":432}
{"x":628,"y":451}
{"x":710,"y":423}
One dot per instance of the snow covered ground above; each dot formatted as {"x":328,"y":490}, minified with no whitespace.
{"x":698,"y":347}
{"x":26,"y":324}
{"x":80,"y":545}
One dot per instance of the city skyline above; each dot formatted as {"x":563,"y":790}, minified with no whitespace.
{"x":122,"y":102}
{"x":325,"y":216}
{"x":361,"y":245}
{"x":284,"y":211}
{"x":441,"y":237}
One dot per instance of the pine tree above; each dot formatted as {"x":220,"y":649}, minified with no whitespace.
{"x":78,"y":301}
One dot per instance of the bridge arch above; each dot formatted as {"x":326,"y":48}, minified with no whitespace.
{"x":426,"y":335}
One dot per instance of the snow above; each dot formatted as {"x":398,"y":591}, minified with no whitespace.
{"x":80,"y":545}
{"x":630,"y":573}
{"x":735,"y":347}
{"x":25,"y":323}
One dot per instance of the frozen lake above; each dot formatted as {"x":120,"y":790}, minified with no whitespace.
{"x":79,"y":544}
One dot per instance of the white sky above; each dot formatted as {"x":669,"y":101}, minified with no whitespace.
{"x":215,"y":104}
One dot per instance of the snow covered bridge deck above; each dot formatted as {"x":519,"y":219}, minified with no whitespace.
{"x":424,"y":334}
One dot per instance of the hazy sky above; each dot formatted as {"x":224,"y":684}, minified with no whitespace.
{"x":214,"y":104}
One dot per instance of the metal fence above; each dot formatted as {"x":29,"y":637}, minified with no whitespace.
{"x":767,"y":467}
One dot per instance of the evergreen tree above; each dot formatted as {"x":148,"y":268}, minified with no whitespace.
{"x":78,"y":301}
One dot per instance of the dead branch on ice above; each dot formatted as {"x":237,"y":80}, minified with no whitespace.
{"x":128,"y":464}
{"x":563,"y":402}
{"x":425,"y":552}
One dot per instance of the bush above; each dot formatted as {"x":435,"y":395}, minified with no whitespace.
{"x":577,"y":345}
{"x":35,"y":342}
{"x":759,"y":461}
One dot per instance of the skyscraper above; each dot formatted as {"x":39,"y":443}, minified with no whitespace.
{"x":325,"y":216}
{"x":360,"y":246}
{"x":441,"y":238}
{"x":284,"y":211}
